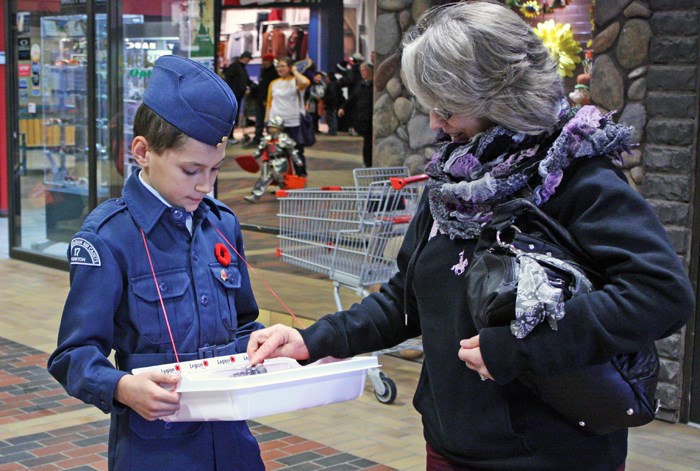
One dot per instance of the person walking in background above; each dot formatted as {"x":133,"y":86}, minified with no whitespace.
{"x":350,"y":78}
{"x":237,"y":78}
{"x":268,"y":73}
{"x":285,"y":99}
{"x":506,"y":132}
{"x":317,"y":91}
{"x":332,"y":100}
{"x":361,"y":106}
{"x":164,"y":234}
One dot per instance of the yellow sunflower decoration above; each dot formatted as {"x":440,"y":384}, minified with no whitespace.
{"x":530,"y":9}
{"x":559,"y":40}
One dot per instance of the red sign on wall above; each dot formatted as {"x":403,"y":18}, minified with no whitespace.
{"x":24,"y":70}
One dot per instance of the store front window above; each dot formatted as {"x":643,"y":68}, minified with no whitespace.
{"x":51,"y":171}
{"x":77,"y":74}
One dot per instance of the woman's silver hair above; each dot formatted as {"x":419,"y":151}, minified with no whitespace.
{"x":480,"y":59}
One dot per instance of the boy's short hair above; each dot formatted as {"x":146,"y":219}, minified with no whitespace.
{"x":159,"y":133}
{"x":191,"y":98}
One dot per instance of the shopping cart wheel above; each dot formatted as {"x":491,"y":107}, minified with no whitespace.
{"x":389,"y":394}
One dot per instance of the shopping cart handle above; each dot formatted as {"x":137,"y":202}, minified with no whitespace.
{"x":397,"y":183}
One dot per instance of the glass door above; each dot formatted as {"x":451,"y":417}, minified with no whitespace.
{"x":65,"y":115}
{"x":76,"y":78}
{"x":150,"y":30}
{"x":58,"y":76}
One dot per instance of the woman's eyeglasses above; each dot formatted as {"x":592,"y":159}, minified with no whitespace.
{"x":442,"y":114}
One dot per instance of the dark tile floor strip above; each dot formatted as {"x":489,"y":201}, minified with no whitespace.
{"x":84,"y":447}
{"x":26,"y":389}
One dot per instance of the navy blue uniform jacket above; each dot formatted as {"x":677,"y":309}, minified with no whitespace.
{"x":113,"y":304}
{"x":501,"y":425}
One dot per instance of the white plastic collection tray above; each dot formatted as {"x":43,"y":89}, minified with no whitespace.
{"x":211,"y":391}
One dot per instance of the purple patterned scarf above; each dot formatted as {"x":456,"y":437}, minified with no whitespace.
{"x":467,"y":180}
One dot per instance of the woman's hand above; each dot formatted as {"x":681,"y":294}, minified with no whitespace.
{"x":276,"y":341}
{"x":301,"y":79}
{"x":149,"y":394}
{"x":470,"y":353}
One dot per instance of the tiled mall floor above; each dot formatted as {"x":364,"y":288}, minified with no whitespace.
{"x":41,"y":428}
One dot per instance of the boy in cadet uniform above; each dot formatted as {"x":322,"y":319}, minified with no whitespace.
{"x":166,"y":219}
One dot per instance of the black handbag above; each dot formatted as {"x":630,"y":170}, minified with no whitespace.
{"x":306,"y":130}
{"x":597,"y":398}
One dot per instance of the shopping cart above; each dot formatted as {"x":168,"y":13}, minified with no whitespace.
{"x":352,"y":235}
{"x":364,"y":176}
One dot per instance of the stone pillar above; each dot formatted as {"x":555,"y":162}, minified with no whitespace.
{"x":646,"y":68}
{"x":401,"y":132}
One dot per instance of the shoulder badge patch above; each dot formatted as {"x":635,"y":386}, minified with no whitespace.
{"x":83,"y":252}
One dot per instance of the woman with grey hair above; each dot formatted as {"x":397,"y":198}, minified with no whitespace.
{"x":506,"y":132}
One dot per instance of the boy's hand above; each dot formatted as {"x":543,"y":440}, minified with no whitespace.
{"x":276,"y":341}
{"x":149,"y":394}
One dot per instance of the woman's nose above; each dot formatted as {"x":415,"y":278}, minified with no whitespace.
{"x":436,"y":122}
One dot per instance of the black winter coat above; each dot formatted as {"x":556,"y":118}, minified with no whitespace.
{"x":333,"y":97}
{"x":360,"y":103}
{"x":237,"y":78}
{"x":501,"y":424}
{"x":267,"y":75}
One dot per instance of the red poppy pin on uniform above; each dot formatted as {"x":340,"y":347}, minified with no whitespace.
{"x":222,"y":254}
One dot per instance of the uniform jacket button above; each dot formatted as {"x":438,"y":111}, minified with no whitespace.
{"x":204,"y":299}
{"x":163,"y":286}
{"x":177,"y":215}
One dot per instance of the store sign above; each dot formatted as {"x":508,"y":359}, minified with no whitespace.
{"x":78,"y":2}
{"x":269,"y":3}
{"x":140,"y":73}
{"x":24,"y":45}
{"x":141,"y":45}
{"x":200,"y":40}
{"x":24,"y":70}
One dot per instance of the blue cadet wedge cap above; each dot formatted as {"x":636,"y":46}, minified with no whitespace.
{"x":192,"y":98}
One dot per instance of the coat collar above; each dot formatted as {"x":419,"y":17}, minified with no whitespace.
{"x":147,"y":209}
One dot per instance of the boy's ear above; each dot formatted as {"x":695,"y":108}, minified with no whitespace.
{"x":139,"y":146}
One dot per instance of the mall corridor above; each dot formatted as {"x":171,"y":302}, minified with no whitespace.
{"x":41,"y":428}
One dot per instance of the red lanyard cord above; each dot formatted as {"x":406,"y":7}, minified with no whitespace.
{"x":160,"y":297}
{"x":296,"y":319}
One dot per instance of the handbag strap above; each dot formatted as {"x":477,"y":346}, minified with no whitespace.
{"x":302,"y":109}
{"x":508,"y":215}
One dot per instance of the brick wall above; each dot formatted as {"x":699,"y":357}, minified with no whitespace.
{"x":646,"y":66}
{"x":670,"y":150}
